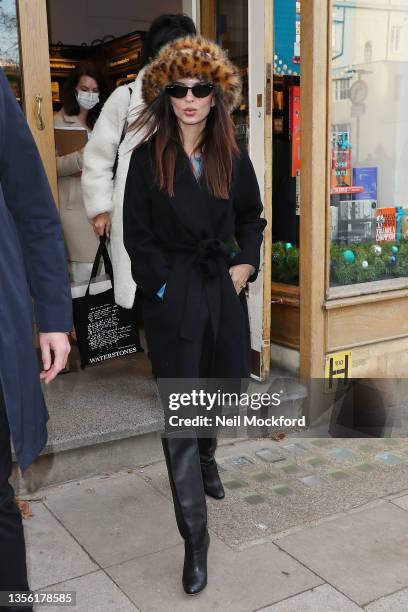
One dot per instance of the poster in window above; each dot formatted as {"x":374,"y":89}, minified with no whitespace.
{"x":294,"y":126}
{"x":341,"y":156}
{"x":386,"y":224}
{"x":367,"y":179}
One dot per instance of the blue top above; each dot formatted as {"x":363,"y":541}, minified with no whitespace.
{"x":196,"y":164}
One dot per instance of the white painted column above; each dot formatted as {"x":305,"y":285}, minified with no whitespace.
{"x":256,"y":75}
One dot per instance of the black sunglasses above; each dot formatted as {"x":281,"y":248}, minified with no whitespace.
{"x":201,"y":90}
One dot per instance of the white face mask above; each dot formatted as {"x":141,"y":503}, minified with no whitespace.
{"x":87,"y":99}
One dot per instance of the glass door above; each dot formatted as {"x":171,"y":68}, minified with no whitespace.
{"x":25,"y":61}
{"x":245,"y":30}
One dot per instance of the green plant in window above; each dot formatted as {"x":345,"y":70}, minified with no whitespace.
{"x":401,"y":267}
{"x":372,"y":262}
{"x":285,"y":262}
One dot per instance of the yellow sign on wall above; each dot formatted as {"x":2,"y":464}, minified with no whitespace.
{"x":338,"y":368}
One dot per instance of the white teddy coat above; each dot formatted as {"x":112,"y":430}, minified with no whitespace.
{"x":101,"y":193}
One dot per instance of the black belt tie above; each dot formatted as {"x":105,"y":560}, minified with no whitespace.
{"x":209,"y":255}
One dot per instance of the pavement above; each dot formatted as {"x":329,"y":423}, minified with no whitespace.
{"x":307,"y":525}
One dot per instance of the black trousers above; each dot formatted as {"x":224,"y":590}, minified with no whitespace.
{"x":186,"y":454}
{"x":13,"y":569}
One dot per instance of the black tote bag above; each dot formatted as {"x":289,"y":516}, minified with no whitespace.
{"x":103,"y":329}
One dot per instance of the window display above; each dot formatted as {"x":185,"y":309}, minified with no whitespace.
{"x":286,"y":142}
{"x":369,"y":182}
{"x":232,"y":34}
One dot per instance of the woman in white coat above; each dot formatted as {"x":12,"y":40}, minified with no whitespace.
{"x":83,"y":96}
{"x":107,"y":155}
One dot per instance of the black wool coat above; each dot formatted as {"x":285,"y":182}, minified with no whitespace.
{"x":185,"y":242}
{"x":32,"y":271}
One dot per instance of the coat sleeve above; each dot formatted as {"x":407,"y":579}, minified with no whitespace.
{"x":249,"y":225}
{"x":100,"y":154}
{"x":68,"y":165}
{"x":28,"y":197}
{"x":150,"y":266}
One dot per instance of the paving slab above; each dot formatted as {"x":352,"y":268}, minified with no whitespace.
{"x":115,"y":518}
{"x":323,"y":598}
{"x":237,"y":582}
{"x":95,"y":592}
{"x":402,"y":502}
{"x":52,"y":554}
{"x":397,"y":602}
{"x":300,"y":488}
{"x":364,"y":554}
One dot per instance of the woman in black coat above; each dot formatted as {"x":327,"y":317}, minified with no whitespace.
{"x":190,"y":192}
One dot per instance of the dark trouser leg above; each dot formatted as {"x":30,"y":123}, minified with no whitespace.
{"x":13,"y":569}
{"x":211,"y":479}
{"x":181,"y":451}
{"x":183,"y":466}
{"x":208,"y":445}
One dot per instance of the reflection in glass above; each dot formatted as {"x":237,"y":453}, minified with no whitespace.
{"x":9,"y":45}
{"x":369,"y":136}
{"x":232,"y":35}
{"x":286,"y":142}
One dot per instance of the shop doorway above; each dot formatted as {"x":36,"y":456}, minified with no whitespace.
{"x":273,"y":133}
{"x":244,"y":28}
{"x":109,"y":37}
{"x":240,"y":28}
{"x":54,"y":35}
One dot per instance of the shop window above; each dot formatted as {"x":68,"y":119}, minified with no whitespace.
{"x":9,"y":45}
{"x":338,"y":31}
{"x":395,"y":38}
{"x":286,"y":143}
{"x":342,"y":88}
{"x":232,"y":34}
{"x":368,"y":52}
{"x":368,"y":220}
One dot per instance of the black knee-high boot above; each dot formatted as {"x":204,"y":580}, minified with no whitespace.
{"x":211,"y":479}
{"x":184,"y":469}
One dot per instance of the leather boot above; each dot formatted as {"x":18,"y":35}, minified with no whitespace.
{"x":186,"y":482}
{"x":211,"y":479}
{"x":195,"y":565}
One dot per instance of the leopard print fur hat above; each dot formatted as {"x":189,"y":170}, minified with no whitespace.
{"x":193,"y":57}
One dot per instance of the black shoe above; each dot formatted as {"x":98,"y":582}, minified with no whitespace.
{"x":211,"y":480}
{"x":195,"y":566}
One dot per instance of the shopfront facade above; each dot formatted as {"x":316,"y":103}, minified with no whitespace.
{"x":325,"y":83}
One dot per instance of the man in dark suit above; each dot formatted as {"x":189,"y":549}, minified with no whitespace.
{"x":32,"y":273}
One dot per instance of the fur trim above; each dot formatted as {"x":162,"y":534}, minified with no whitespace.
{"x":191,"y":57}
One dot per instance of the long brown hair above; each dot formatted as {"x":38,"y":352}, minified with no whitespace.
{"x":218,"y":144}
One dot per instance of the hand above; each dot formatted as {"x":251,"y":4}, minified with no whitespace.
{"x":101,"y":224}
{"x":240,"y":275}
{"x":58,"y":343}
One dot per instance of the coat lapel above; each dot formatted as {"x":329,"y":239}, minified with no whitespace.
{"x":190,"y":202}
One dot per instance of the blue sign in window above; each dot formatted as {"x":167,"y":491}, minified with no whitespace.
{"x":287,"y":37}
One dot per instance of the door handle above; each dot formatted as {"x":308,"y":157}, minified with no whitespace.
{"x":39,"y":118}
{"x":268,"y":89}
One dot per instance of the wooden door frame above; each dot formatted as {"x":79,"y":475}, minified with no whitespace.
{"x":268,"y":171}
{"x":314,"y":185}
{"x":36,"y":81}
